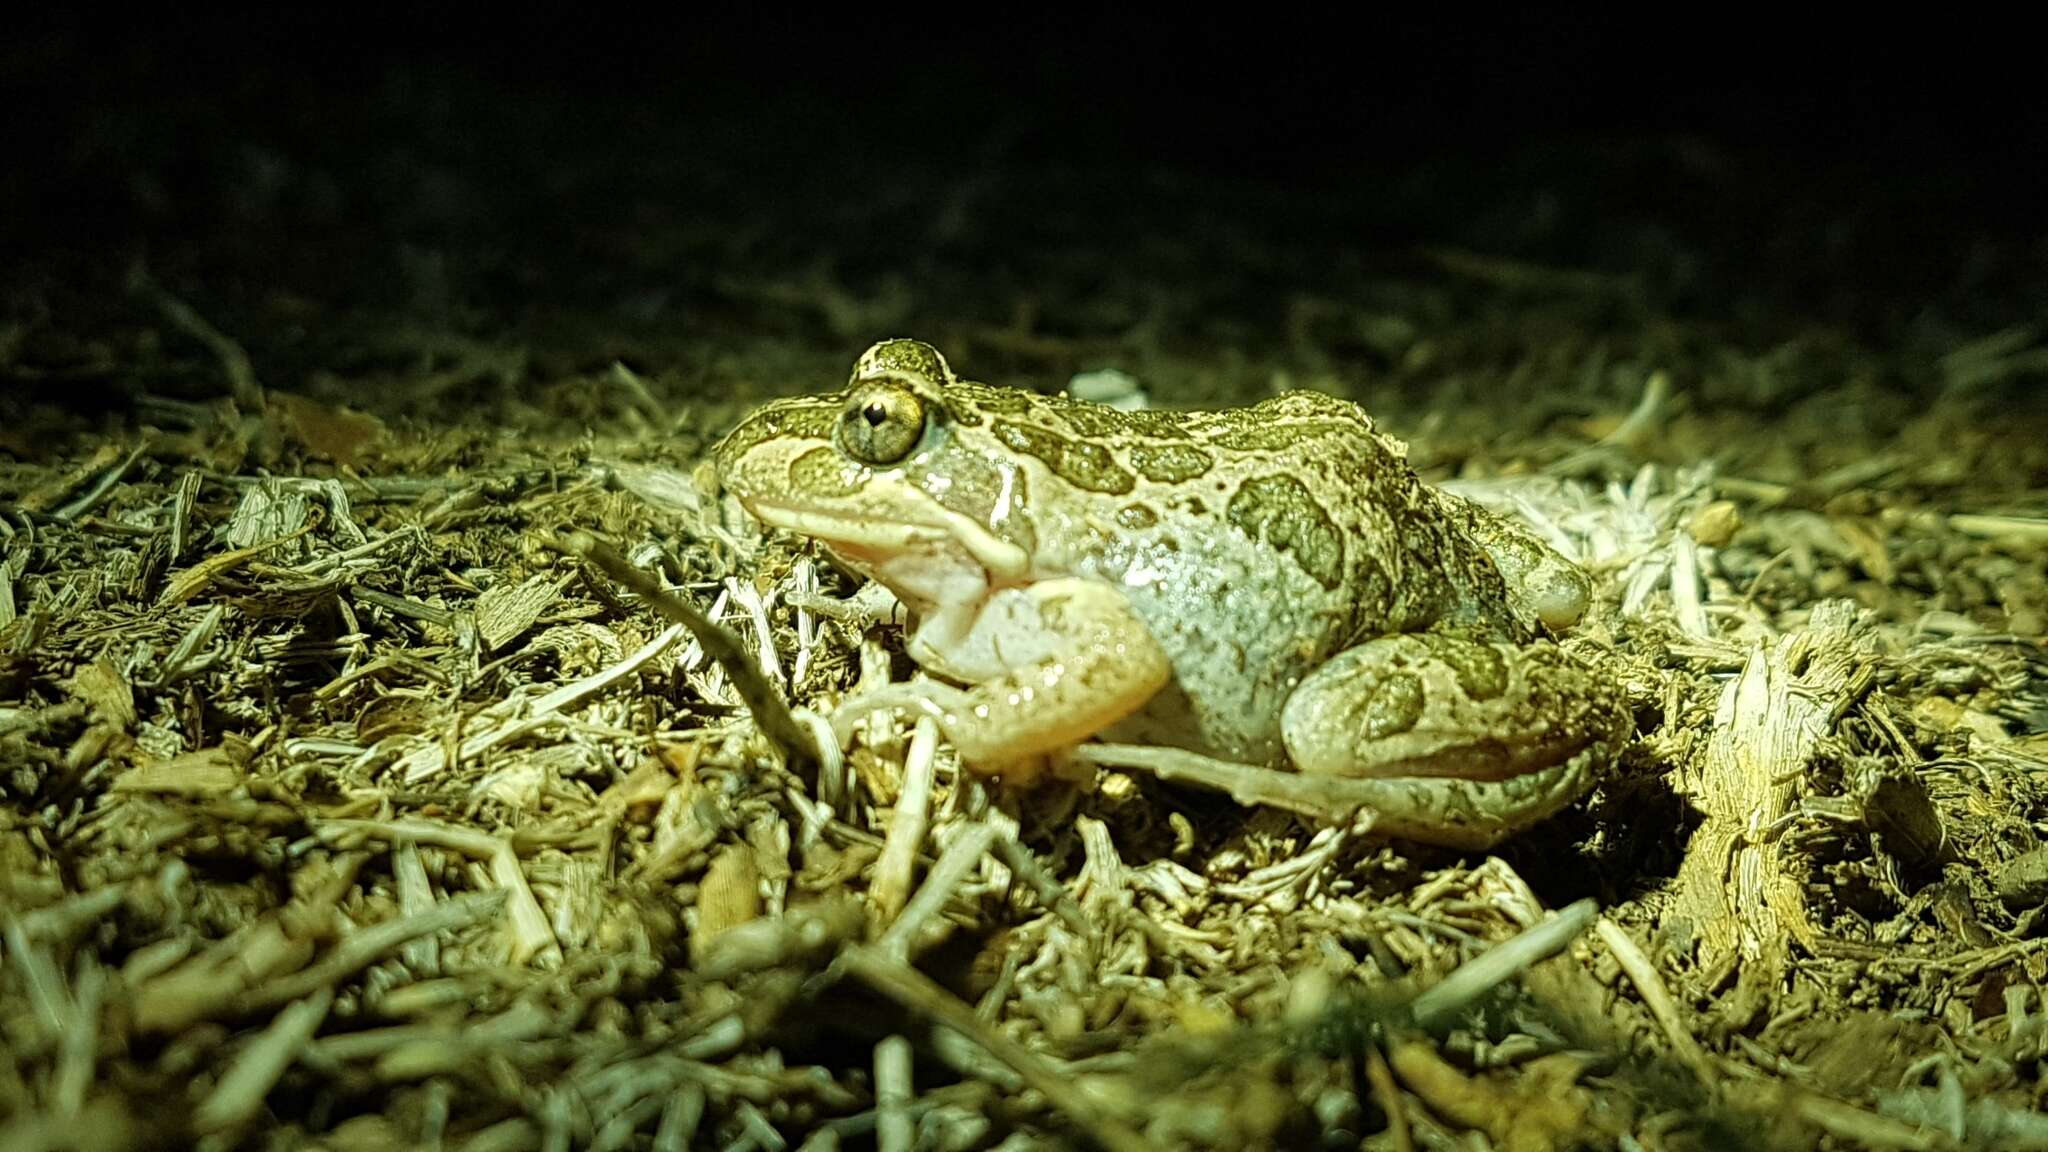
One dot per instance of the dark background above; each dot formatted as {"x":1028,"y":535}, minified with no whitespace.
{"x":1292,"y":97}
{"x":619,"y":171}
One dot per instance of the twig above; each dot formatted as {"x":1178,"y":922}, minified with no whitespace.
{"x":192,"y":581}
{"x":1381,"y":1078}
{"x":921,"y":994}
{"x":239,"y":1095}
{"x":100,"y":487}
{"x":770,"y":713}
{"x":531,"y":935}
{"x":680,"y":1117}
{"x":1656,"y":997}
{"x":895,"y":1128}
{"x":1631,"y":434}
{"x":42,"y":982}
{"x":1050,"y":892}
{"x":908,"y":824}
{"x":1501,"y":963}
{"x":756,"y":608}
{"x":832,"y":779}
{"x":959,"y":858}
{"x":78,"y":1044}
{"x":1853,"y":1124}
{"x":435,"y":758}
{"x":361,"y":949}
{"x":2032,"y":530}
{"x":72,"y":913}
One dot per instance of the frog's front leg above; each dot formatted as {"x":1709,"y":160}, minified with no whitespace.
{"x":1046,"y":666}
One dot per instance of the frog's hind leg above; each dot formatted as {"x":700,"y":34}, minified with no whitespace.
{"x":1434,"y":705}
{"x":1443,"y":740}
{"x":1468,"y":814}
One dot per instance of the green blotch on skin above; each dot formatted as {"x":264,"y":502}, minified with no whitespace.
{"x":1102,"y":422}
{"x":1281,"y":511}
{"x":1156,"y":424}
{"x":1082,"y":463}
{"x":1170,"y":463}
{"x":806,"y":418}
{"x":965,"y":415}
{"x":1257,"y":434}
{"x":1092,"y":421}
{"x":823,"y":471}
{"x":1481,"y":670}
{"x":1255,"y":438}
{"x":1136,"y":517}
{"x":754,"y":444}
{"x":966,"y":401}
{"x":1393,"y":707}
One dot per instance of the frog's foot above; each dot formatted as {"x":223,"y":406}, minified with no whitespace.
{"x":872,"y":604}
{"x":1541,"y":584}
{"x":1438,"y":706}
{"x":1468,"y":814}
{"x":945,"y":704}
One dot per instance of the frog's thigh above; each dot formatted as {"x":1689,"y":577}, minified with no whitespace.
{"x":1075,"y":658}
{"x":1436,"y":706}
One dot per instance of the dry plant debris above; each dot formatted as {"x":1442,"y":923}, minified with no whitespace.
{"x":370,"y":802}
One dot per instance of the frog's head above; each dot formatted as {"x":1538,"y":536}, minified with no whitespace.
{"x":889,"y":473}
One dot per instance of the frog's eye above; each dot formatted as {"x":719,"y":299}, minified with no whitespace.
{"x":881,"y":424}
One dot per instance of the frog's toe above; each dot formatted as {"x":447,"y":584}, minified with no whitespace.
{"x":924,"y":697}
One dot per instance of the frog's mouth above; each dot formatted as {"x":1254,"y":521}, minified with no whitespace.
{"x":874,"y":540}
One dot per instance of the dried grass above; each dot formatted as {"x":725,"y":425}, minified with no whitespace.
{"x":365,"y":807}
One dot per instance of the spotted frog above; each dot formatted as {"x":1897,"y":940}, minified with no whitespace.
{"x":1214,"y":596}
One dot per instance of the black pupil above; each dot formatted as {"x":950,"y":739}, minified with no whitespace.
{"x":875,"y":413}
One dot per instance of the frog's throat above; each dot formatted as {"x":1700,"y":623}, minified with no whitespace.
{"x":1002,"y":559}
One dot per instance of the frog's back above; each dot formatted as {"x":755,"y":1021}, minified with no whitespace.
{"x":1338,"y":498}
{"x":1257,"y":542}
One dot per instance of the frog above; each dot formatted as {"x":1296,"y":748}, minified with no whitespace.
{"x":1266,"y":600}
